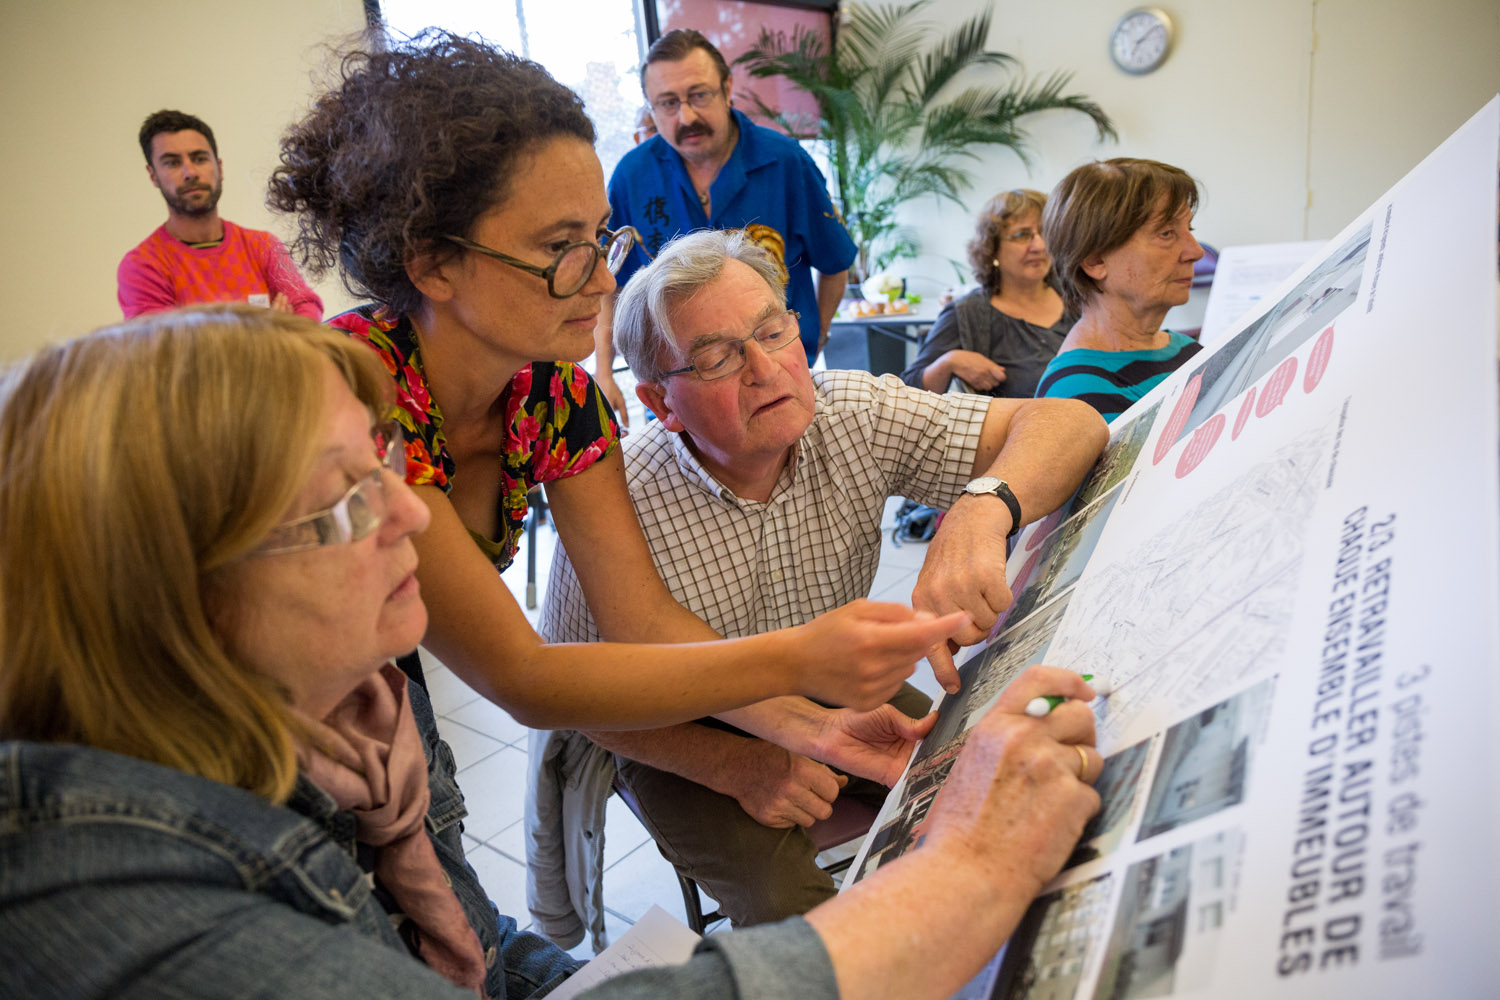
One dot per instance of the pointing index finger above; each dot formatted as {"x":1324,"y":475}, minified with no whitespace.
{"x":940,"y":657}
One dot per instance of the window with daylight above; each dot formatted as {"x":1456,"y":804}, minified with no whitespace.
{"x":591,"y":46}
{"x":735,"y":25}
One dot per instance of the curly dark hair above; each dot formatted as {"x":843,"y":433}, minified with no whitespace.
{"x":166,"y":121}
{"x":997,"y":213}
{"x":414,"y":143}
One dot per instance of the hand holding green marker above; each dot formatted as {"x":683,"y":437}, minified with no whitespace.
{"x":1041,"y":706}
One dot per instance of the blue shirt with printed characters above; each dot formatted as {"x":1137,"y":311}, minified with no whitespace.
{"x":769,"y":187}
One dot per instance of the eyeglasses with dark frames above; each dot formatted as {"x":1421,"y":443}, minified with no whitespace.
{"x":574,"y":264}
{"x":358,"y":512}
{"x":728,"y":356}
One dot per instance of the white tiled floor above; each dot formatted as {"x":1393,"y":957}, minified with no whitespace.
{"x":490,"y":749}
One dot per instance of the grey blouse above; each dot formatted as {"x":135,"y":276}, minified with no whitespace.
{"x":972,"y":324}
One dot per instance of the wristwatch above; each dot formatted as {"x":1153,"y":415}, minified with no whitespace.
{"x":998,"y":487}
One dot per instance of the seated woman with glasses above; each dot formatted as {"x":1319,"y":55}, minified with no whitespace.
{"x":997,"y":339}
{"x":214,"y":783}
{"x":457,"y":186}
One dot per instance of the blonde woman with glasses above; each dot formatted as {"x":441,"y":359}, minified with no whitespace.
{"x":213,"y":782}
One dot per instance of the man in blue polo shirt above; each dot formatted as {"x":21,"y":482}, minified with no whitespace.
{"x":711,"y":167}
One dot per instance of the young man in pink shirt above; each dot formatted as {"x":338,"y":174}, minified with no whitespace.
{"x":195,"y":256}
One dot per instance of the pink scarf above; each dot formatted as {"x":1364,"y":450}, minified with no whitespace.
{"x":367,"y":755}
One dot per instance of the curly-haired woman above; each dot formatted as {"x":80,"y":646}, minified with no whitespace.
{"x":998,"y":338}
{"x":456,"y":185}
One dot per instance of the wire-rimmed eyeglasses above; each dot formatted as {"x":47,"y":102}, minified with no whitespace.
{"x":728,"y":356}
{"x":696,"y":99}
{"x":357,"y":513}
{"x":1022,"y":235}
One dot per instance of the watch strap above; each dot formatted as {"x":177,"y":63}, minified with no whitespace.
{"x":1002,"y":490}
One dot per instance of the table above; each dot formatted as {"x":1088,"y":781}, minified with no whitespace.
{"x":877,"y":344}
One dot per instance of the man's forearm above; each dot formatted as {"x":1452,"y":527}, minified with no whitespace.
{"x":304,"y":301}
{"x":791,"y":722}
{"x":830,"y":293}
{"x":604,"y":339}
{"x":1042,"y":452}
{"x":283,"y":278}
{"x":701,"y":754}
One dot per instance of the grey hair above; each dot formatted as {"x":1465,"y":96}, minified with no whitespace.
{"x":643,"y":333}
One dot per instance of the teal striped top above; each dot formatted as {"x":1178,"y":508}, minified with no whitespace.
{"x":1110,"y":381}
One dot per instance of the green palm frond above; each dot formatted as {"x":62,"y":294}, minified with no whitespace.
{"x":804,"y":61}
{"x":962,"y":49}
{"x":892,"y":117}
{"x":868,"y":34}
{"x":1047,"y":95}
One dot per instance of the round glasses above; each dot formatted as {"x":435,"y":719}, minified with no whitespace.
{"x":728,"y":356}
{"x":574,"y":265}
{"x":357,"y":513}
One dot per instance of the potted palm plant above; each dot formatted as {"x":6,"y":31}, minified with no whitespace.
{"x":899,"y":115}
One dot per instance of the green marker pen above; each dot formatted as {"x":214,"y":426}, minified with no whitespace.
{"x":1040,"y":707}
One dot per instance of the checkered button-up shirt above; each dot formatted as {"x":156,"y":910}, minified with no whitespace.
{"x":747,"y":566}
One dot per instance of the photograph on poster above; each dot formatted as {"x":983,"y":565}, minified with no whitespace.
{"x":984,"y":676}
{"x":1309,"y":308}
{"x":1059,"y":560}
{"x":1170,"y":920}
{"x":1118,"y":459}
{"x":1046,"y":956}
{"x":918,"y":790}
{"x":1119,"y":787}
{"x":1206,"y":760}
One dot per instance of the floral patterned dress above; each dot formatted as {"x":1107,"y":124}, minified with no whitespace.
{"x":558,"y":423}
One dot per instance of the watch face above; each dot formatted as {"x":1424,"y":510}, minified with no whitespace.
{"x":1140,"y":39}
{"x":984,"y":484}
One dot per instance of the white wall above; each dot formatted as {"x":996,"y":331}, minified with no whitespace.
{"x":1391,"y":80}
{"x":77,"y":79}
{"x":1293,"y":114}
{"x":1248,"y":103}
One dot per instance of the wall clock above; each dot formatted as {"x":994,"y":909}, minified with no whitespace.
{"x":1141,"y":39}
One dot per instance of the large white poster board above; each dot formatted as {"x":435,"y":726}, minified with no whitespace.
{"x":1288,"y":565}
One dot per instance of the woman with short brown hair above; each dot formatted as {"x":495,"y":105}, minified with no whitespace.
{"x":1121,"y":236}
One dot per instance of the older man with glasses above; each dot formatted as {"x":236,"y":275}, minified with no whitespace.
{"x":760,"y":491}
{"x":711,"y":167}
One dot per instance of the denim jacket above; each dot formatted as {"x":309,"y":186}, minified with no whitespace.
{"x":121,"y":878}
{"x":124,"y":879}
